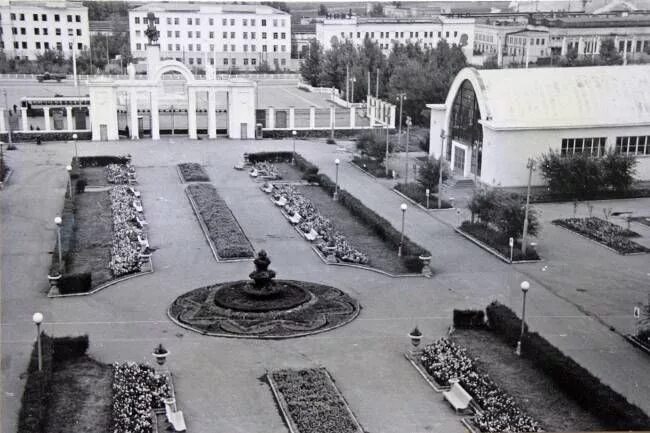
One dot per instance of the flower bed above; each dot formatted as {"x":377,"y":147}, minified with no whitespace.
{"x":119,"y":173}
{"x":193,"y":172}
{"x":604,"y":232}
{"x":223,"y":229}
{"x":496,"y":240}
{"x":125,"y":251}
{"x":417,"y":193}
{"x":313,"y":402}
{"x":444,"y":360}
{"x":137,"y":390}
{"x":370,"y":166}
{"x":330,"y":240}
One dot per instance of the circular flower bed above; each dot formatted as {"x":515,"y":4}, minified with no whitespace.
{"x":306,"y":308}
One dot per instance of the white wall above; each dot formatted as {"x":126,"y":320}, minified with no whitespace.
{"x":103,"y":109}
{"x":241,"y":109}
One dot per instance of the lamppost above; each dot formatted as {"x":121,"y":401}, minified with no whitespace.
{"x":403,"y":207}
{"x":9,"y":127}
{"x":524,"y":238}
{"x":74,"y":139}
{"x":74,"y":56}
{"x":386,"y":159}
{"x":442,"y":150}
{"x":38,"y":319}
{"x":58,"y":222}
{"x":353,"y":80}
{"x":408,"y":129}
{"x":293,"y":155}
{"x":69,"y":169}
{"x":336,"y":185}
{"x":525,"y":285}
{"x":401,"y":97}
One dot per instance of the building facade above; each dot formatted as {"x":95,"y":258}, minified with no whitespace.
{"x":494,"y":120}
{"x":29,"y":28}
{"x":226,"y":36}
{"x":389,"y":31}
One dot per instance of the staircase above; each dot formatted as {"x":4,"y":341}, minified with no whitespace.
{"x":460,"y":188}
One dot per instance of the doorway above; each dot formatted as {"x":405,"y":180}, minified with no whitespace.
{"x":459,"y":160}
{"x":244,"y":130}
{"x":103,"y":132}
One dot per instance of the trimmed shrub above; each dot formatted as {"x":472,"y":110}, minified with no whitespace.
{"x":75,"y":283}
{"x":429,"y":173}
{"x":310,"y":171}
{"x":66,"y":348}
{"x":19,"y":137}
{"x":80,"y":186}
{"x":100,"y":161}
{"x":466,"y":319}
{"x":594,"y":396}
{"x":38,"y":386}
{"x":193,"y":172}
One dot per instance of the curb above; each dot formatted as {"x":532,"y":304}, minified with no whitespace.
{"x":602,"y":244}
{"x":415,"y":203}
{"x":491,"y":250}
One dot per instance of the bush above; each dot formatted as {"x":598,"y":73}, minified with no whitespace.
{"x":330,"y":141}
{"x":24,"y":137}
{"x":498,"y":241}
{"x":75,"y":283}
{"x":38,"y":386}
{"x":593,"y":395}
{"x":100,"y":161}
{"x":371,"y":146}
{"x":80,"y":186}
{"x":417,"y":193}
{"x":193,"y":172}
{"x":466,"y":319}
{"x":66,"y":348}
{"x":619,"y":170}
{"x":428,"y":175}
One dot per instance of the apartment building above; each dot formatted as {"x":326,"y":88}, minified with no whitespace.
{"x":29,"y":28}
{"x":229,"y":37}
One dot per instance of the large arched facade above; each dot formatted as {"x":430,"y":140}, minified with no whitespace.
{"x":465,"y":131}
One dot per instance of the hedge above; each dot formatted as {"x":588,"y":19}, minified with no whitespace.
{"x":548,"y":197}
{"x":18,"y":137}
{"x":75,"y":283}
{"x":100,"y":161}
{"x":467,"y":319}
{"x":33,"y":413}
{"x":318,"y":133}
{"x":614,"y":411}
{"x":67,"y":237}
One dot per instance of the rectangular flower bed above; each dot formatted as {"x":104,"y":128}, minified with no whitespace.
{"x":312,"y":401}
{"x":603,"y":232}
{"x":370,"y":166}
{"x":223,"y":231}
{"x":417,"y":193}
{"x":495,"y":240}
{"x":193,"y":172}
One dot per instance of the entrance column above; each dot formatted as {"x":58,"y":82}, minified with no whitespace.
{"x":24,"y":119}
{"x":353,"y":116}
{"x":133,"y":113}
{"x":212,"y":116}
{"x":271,"y":124}
{"x":46,"y":117}
{"x":68,"y":118}
{"x":191,"y":113}
{"x":312,"y":117}
{"x":292,"y":117}
{"x":2,"y":121}
{"x":155,"y":116}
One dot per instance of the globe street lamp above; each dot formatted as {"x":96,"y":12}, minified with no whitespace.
{"x":38,"y":319}
{"x":525,"y":285}
{"x":58,"y":222}
{"x":293,"y":155}
{"x":74,"y":138}
{"x":403,"y":207}
{"x":69,"y":169}
{"x":336,"y":186}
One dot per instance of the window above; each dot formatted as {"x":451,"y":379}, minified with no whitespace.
{"x":211,"y":21}
{"x":23,"y":31}
{"x":169,"y":21}
{"x":57,"y":32}
{"x":253,"y":48}
{"x":232,"y":21}
{"x":275,"y":23}
{"x":225,"y":35}
{"x":37,"y":31}
{"x":38,"y":45}
{"x":59,"y":46}
{"x":358,"y":35}
{"x":197,"y":21}
{"x":244,"y":22}
{"x":401,"y":34}
{"x":80,"y":46}
{"x":16,"y":46}
{"x":169,"y":47}
{"x":198,"y":61}
{"x":169,"y":33}
{"x":446,"y":34}
{"x":263,"y":23}
{"x":253,"y":62}
{"x":178,"y":47}
{"x":77,"y":18}
{"x":455,"y":34}
{"x":283,"y":62}
{"x":191,"y":60}
{"x":283,"y":35}
{"x":189,"y":21}
{"x":224,"y":22}
{"x":245,"y":35}
{"x":439,"y":34}
{"x":46,"y":45}
{"x":225,"y":61}
{"x":211,"y":47}
{"x":284,"y":48}
{"x":639,"y":145}
{"x":190,"y":47}
{"x":593,"y":146}
{"x":25,"y":45}
{"x":138,"y":46}
{"x":78,"y":32}
{"x":22,"y":17}
{"x":283,"y":23}
{"x":410,"y":34}
{"x":275,"y":35}
{"x":275,"y":48}
{"x":45,"y":32}
{"x":177,"y":33}
{"x":264,"y":48}
{"x":263,"y":35}
{"x":252,"y":21}
{"x":232,"y":47}
{"x":252,"y":35}
{"x":138,"y":33}
{"x":232,"y":35}
{"x":465,"y":126}
{"x":225,"y":47}
{"x":211,"y":34}
{"x":14,"y":30}
{"x":13,"y":17}
{"x":211,"y":60}
{"x":177,"y":21}
{"x":198,"y":34}
{"x":43,"y":17}
{"x":198,"y":47}
{"x":35,"y":17}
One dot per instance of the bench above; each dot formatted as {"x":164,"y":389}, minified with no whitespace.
{"x":137,"y":205}
{"x":458,"y":397}
{"x":175,"y":417}
{"x":134,"y":192}
{"x":267,"y":188}
{"x":295,"y":219}
{"x":282,"y":201}
{"x":140,"y":222}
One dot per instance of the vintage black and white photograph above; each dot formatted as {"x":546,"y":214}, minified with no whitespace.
{"x":324,"y":216}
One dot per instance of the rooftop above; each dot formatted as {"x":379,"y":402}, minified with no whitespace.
{"x":216,"y":8}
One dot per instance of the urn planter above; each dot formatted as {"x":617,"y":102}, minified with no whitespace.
{"x":160,"y":353}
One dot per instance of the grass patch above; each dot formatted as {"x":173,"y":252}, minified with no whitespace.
{"x":95,"y":176}
{"x":82,"y":399}
{"x":604,"y":232}
{"x":313,"y":402}
{"x":497,"y":241}
{"x":224,"y":231}
{"x":530,"y":387}
{"x":370,"y":166}
{"x":193,"y":172}
{"x":418,"y":194}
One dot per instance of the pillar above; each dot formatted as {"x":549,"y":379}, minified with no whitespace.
{"x":212,"y":115}
{"x":332,"y":117}
{"x":155,"y":115}
{"x":312,"y":117}
{"x":353,"y":116}
{"x":271,"y":112}
{"x":68,"y":118}
{"x":598,"y":45}
{"x":581,"y":46}
{"x":292,"y":117}
{"x":392,"y":116}
{"x":368,"y":103}
{"x":3,"y":127}
{"x":133,"y":113}
{"x":23,"y":118}
{"x":564,"y":47}
{"x":46,"y":117}
{"x":191,"y":113}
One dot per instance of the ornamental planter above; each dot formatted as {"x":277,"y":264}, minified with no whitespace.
{"x":416,"y":337}
{"x":53,"y":279}
{"x":426,"y":261}
{"x":160,"y":353}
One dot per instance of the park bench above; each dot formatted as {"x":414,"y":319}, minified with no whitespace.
{"x":134,"y":192}
{"x":175,"y":417}
{"x":282,"y":201}
{"x":312,"y":235}
{"x":137,"y":205}
{"x":141,"y":222}
{"x":295,"y":219}
{"x":253,"y":173}
{"x":267,"y":188}
{"x":143,"y":241}
{"x":458,"y":397}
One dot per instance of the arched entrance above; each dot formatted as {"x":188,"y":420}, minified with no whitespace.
{"x":466,"y":132}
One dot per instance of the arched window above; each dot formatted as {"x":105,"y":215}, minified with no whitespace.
{"x":465,"y":126}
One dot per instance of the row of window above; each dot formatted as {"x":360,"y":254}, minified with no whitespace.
{"x":383,"y":35}
{"x":211,"y":35}
{"x":224,"y":21}
{"x":639,"y":145}
{"x":43,"y":17}
{"x":44,"y":45}
{"x":524,"y":41}
{"x":484,"y":37}
{"x":595,"y":146}
{"x":44,"y":31}
{"x":233,"y":47}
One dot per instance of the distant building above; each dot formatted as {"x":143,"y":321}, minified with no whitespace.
{"x":105,"y":28}
{"x":389,"y":31}
{"x":495,"y":119}
{"x":29,"y":28}
{"x":226,"y":36}
{"x":301,"y":37}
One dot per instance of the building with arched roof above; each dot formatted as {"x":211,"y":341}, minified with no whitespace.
{"x":493,"y":121}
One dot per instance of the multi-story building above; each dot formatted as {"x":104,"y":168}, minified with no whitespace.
{"x":226,"y":36}
{"x":389,"y":31}
{"x":29,"y":28}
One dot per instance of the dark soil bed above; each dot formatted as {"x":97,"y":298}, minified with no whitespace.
{"x":93,"y":237}
{"x":531,"y":388}
{"x":418,"y":194}
{"x":497,"y":241}
{"x":95,"y":176}
{"x":380,"y":253}
{"x":83,"y":397}
{"x":193,"y":172}
{"x":237,"y":298}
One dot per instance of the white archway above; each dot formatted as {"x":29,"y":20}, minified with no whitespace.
{"x":167,"y":66}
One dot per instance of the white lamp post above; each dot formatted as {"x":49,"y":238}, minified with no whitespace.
{"x":336,"y":186}
{"x":58,"y":222}
{"x":74,"y":56}
{"x":406,"y":171}
{"x":524,"y":238}
{"x":69,"y":169}
{"x":74,"y":138}
{"x":293,"y":155}
{"x":525,"y":285}
{"x":38,"y":319}
{"x":403,"y":207}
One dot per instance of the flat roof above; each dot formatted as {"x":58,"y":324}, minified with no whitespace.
{"x":216,"y":8}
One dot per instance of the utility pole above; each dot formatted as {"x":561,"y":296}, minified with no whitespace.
{"x":377,"y":85}
{"x":401,"y":97}
{"x":368,"y":85}
{"x":531,"y":167}
{"x":74,"y":56}
{"x":354,"y":81}
{"x":408,"y":129}
{"x":347,"y":83}
{"x":442,"y":151}
{"x":386,"y":160}
{"x":10,"y":144}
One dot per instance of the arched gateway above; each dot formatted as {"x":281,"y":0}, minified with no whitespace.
{"x":110,"y":98}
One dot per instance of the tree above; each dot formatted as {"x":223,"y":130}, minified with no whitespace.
{"x":483,"y":204}
{"x":372,"y":147}
{"x":322,"y":10}
{"x":609,"y":54}
{"x":428,"y":175}
{"x":619,"y":170}
{"x":509,"y":217}
{"x":335,"y":61}
{"x":312,"y":66}
{"x":263,"y":67}
{"x":103,"y":10}
{"x":278,"y":5}
{"x":377,"y":10}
